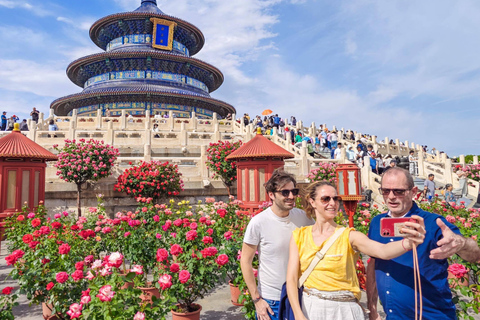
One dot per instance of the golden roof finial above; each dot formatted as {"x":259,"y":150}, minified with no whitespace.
{"x":16,"y":127}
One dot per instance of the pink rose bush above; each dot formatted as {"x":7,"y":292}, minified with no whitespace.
{"x":324,"y":172}
{"x":81,"y":161}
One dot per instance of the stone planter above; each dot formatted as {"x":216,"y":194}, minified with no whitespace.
{"x":195,"y":315}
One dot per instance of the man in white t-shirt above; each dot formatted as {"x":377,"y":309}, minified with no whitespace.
{"x":269,"y":232}
{"x":338,"y":152}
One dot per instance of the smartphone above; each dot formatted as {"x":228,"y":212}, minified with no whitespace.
{"x":391,"y":227}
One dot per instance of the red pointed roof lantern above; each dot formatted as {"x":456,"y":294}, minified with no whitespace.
{"x":260,"y":147}
{"x":256,"y":160}
{"x":22,"y":173}
{"x":16,"y":145}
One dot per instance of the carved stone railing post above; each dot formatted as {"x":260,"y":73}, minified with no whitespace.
{"x":216,"y":131}
{"x":421,"y":164}
{"x":171,"y":119}
{"x":448,"y":175}
{"x":123,"y":120}
{"x":475,"y":160}
{"x":74,"y":117}
{"x":147,"y":120}
{"x":387,"y":145}
{"x":147,"y":156}
{"x":203,"y":160}
{"x":72,"y":130}
{"x":461,"y":160}
{"x":194,"y":121}
{"x":234,"y":119}
{"x":183,"y":135}
{"x":98,"y":120}
{"x":110,"y":133}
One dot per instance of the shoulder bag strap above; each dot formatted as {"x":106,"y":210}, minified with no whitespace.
{"x":319,"y":256}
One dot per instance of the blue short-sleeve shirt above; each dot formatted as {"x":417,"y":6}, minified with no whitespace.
{"x":395,"y":279}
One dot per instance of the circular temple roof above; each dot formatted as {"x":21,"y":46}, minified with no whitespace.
{"x":260,"y":147}
{"x":80,"y":70}
{"x":140,"y":93}
{"x":137,"y":22}
{"x":16,"y":145}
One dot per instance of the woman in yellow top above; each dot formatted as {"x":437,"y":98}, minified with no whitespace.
{"x":331,"y":291}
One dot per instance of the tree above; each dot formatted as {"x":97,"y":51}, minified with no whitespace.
{"x":152,"y":179}
{"x":83,"y":161}
{"x":216,"y":161}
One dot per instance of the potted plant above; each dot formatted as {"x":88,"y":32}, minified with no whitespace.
{"x":190,"y":263}
{"x":153,"y":179}
{"x":107,"y":297}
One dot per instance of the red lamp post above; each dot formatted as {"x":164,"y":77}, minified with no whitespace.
{"x":348,"y":188}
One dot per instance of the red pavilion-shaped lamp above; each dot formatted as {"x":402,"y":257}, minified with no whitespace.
{"x":349,"y":188}
{"x":22,"y":173}
{"x":256,"y":160}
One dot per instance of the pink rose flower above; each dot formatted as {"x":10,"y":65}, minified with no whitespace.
{"x":62,"y":277}
{"x":105,"y":293}
{"x":137,"y":269}
{"x":165,"y":281}
{"x":115,"y":259}
{"x":139,"y":316}
{"x":85,"y":299}
{"x":162,"y":254}
{"x":75,"y":310}
{"x":458,"y":270}
{"x":222,"y":259}
{"x":184,"y":276}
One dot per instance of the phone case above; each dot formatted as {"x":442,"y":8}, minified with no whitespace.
{"x":390,"y":227}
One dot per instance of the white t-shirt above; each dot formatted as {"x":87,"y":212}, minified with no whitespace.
{"x":271,"y":234}
{"x":338,"y":153}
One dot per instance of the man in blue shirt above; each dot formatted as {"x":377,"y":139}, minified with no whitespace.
{"x":4,"y":120}
{"x":393,"y":280}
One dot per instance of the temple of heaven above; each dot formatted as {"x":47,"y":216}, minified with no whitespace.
{"x":147,"y":64}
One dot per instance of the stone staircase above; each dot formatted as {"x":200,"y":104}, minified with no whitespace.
{"x":184,"y":141}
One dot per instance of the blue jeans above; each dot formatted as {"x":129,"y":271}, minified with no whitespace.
{"x":274,"y":305}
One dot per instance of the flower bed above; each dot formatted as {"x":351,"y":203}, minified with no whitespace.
{"x":92,"y":266}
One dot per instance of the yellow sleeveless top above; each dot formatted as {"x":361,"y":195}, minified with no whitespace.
{"x":336,"y":271}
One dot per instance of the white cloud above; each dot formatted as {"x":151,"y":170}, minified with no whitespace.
{"x":81,"y":25}
{"x":37,"y":10}
{"x":43,"y":79}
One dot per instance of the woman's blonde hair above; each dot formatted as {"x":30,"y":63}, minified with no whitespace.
{"x":310,"y":192}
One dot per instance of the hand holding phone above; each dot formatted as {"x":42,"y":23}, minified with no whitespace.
{"x":392,"y":227}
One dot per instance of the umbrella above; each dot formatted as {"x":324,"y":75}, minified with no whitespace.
{"x":266,"y":112}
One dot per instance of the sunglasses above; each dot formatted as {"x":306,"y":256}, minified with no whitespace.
{"x":326,"y":199}
{"x":286,"y":192}
{"x":396,"y":192}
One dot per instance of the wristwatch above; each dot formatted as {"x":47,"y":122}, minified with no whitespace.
{"x":258,"y":299}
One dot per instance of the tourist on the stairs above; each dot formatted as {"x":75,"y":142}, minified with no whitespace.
{"x":462,"y":179}
{"x":4,"y":121}
{"x":412,"y":161}
{"x":331,"y":291}
{"x":269,"y":232}
{"x":449,"y":196}
{"x":429,"y":188}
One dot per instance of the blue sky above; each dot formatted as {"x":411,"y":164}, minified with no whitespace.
{"x":402,"y":69}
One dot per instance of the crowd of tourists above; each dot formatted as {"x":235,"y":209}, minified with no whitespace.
{"x":8,"y":123}
{"x":308,"y":249}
